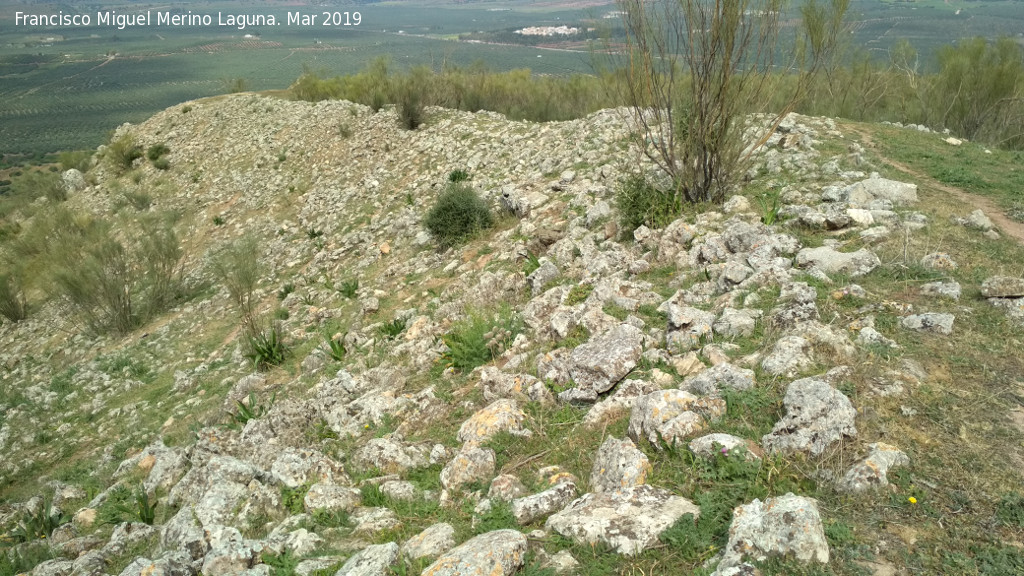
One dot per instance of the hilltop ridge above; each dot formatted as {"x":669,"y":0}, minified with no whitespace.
{"x":826,"y":385}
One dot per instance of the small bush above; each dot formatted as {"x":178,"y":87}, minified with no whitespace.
{"x":412,"y":98}
{"x":391,"y":330}
{"x":285,"y":291}
{"x":249,"y":411}
{"x":13,"y":304}
{"x":266,"y":348}
{"x":456,"y":176}
{"x":237,"y":267}
{"x":336,"y":348}
{"x":123,"y":152}
{"x":642,"y":204}
{"x":38,"y":524}
{"x":138,"y":200}
{"x":32,"y":185}
{"x":458,"y":214}
{"x":479,"y":339}
{"x":236,"y":85}
{"x":162,"y":164}
{"x":349,"y":288}
{"x":156,"y":151}
{"x":75,"y":160}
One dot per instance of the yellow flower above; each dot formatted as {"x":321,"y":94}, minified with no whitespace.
{"x":912,"y":500}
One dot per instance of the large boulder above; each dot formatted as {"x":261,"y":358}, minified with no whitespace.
{"x":596,"y":366}
{"x":671,"y":415}
{"x":867,"y":193}
{"x":1003,"y":287}
{"x":831,"y":261}
{"x":786,"y":525}
{"x":628,"y":520}
{"x":371,"y":561}
{"x":816,"y":416}
{"x":497,"y":553}
{"x":618,"y":465}
{"x":500,"y":416}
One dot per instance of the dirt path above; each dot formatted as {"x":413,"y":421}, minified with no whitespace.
{"x":1004,"y":224}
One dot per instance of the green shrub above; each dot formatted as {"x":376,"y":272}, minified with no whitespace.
{"x":249,"y":411}
{"x":312,"y":88}
{"x":458,"y":176}
{"x":156,"y":151}
{"x":123,"y":152}
{"x":335,"y":348}
{"x":266,"y":348}
{"x":412,"y":96}
{"x":391,"y":330}
{"x":13,"y":303}
{"x":237,"y":267}
{"x":236,"y":85}
{"x":458,"y":214}
{"x":162,"y":164}
{"x":642,"y":204}
{"x":38,"y":524}
{"x":138,"y":200}
{"x":349,"y":288}
{"x":34,"y":184}
{"x":75,"y":159}
{"x":479,"y":339}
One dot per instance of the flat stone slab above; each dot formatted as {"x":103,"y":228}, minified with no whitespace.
{"x":497,"y":553}
{"x":628,"y":520}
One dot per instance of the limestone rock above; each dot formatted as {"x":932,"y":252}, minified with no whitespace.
{"x":816,"y":416}
{"x":831,"y":261}
{"x":872,"y":471}
{"x":939,"y":323}
{"x":471,"y":464}
{"x":500,"y":416}
{"x":371,"y":561}
{"x":949,"y":290}
{"x":705,"y":446}
{"x":618,"y":464}
{"x":789,"y":357}
{"x":599,"y":364}
{"x":938,"y":261}
{"x":865,"y":193}
{"x":628,"y":520}
{"x":735,"y":323}
{"x":391,"y":456}
{"x":1003,"y":287}
{"x":435,"y":540}
{"x":497,"y":553}
{"x":506,"y":487}
{"x":671,"y":415}
{"x":711,"y":381}
{"x":688,"y":327}
{"x":979,"y":221}
{"x":620,"y":402}
{"x":331,"y":498}
{"x":541,"y":505}
{"x":776,"y":527}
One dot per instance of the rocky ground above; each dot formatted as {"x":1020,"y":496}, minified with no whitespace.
{"x":837,"y":392}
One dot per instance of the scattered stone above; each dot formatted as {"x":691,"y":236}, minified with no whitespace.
{"x":497,"y":553}
{"x":868,"y":193}
{"x":938,"y":261}
{"x":618,"y":464}
{"x":868,"y":336}
{"x":671,"y":415}
{"x":977,"y":220}
{"x":434,"y":541}
{"x":536,"y":506}
{"x":939,"y":323}
{"x":735,"y":323}
{"x":471,"y":464}
{"x":688,"y":327}
{"x":1003,"y":287}
{"x":774,"y":528}
{"x":950,"y":290}
{"x":871,"y":472}
{"x":721,"y":376}
{"x":831,"y":261}
{"x":816,"y":416}
{"x":562,"y":562}
{"x":711,"y":445}
{"x":391,"y":456}
{"x":599,"y":364}
{"x":628,"y":520}
{"x":374,"y":519}
{"x":500,"y":416}
{"x":506,"y":487}
{"x":789,"y":357}
{"x":371,"y":561}
{"x":540,"y":277}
